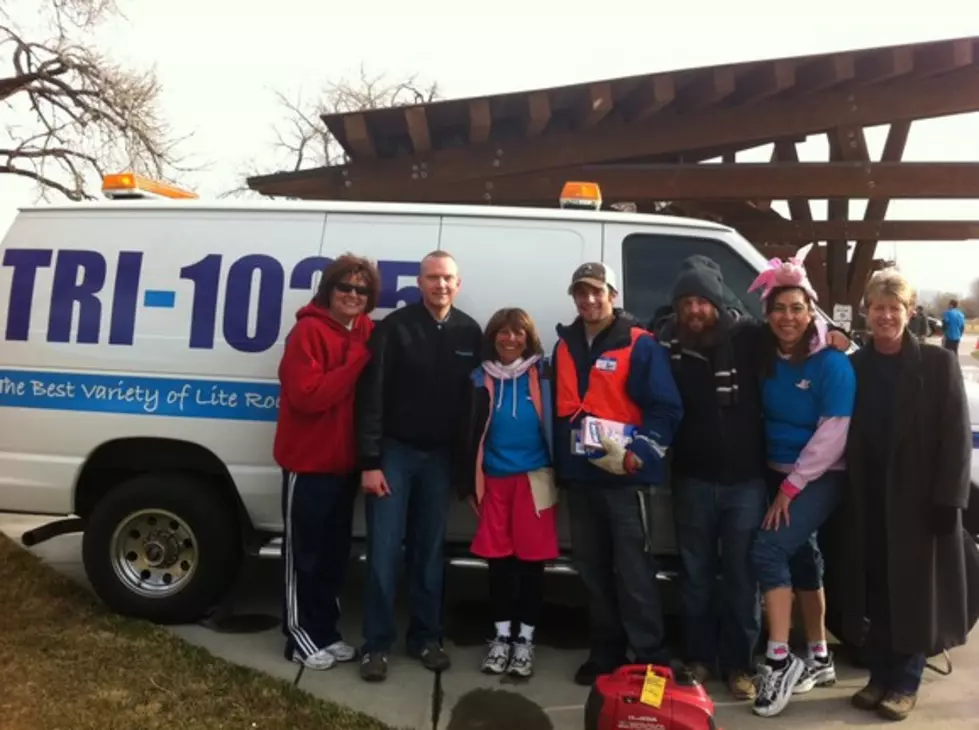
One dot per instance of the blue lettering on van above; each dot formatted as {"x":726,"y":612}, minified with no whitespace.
{"x":139,"y":396}
{"x":79,"y":284}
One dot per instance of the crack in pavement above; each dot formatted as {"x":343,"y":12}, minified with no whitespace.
{"x":438,"y":697}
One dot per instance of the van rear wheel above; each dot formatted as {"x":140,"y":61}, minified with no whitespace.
{"x":162,"y":547}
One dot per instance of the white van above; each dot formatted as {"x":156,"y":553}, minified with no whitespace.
{"x":138,"y":385}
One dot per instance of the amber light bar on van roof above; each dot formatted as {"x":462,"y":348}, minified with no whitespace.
{"x":131,"y":185}
{"x":581,"y":195}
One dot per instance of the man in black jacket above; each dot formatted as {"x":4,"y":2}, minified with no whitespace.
{"x":408,"y":414}
{"x":719,"y":492}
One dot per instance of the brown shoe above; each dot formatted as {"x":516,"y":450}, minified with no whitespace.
{"x":700,"y":672}
{"x":869,"y":697}
{"x":897,"y":706}
{"x":741,"y":686}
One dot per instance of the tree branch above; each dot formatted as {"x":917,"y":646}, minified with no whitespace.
{"x":81,"y":113}
{"x":302,"y":139}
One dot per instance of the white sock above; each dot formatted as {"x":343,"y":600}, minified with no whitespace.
{"x":777,"y":651}
{"x":503,"y":629}
{"x":818,"y":650}
{"x":526,"y":633}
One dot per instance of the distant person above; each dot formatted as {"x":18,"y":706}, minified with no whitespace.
{"x":509,"y":480}
{"x":953,"y":326}
{"x":606,"y":365}
{"x":409,"y":413}
{"x":314,"y":444}
{"x":908,"y":574}
{"x":918,"y":325}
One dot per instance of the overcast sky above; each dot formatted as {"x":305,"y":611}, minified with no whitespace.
{"x":218,"y":61}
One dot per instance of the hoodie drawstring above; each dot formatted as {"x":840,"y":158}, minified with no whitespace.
{"x":499,"y":399}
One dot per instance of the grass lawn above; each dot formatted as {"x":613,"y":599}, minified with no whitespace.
{"x":68,"y":664}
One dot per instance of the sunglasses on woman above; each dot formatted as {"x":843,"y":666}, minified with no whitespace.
{"x":346,"y":288}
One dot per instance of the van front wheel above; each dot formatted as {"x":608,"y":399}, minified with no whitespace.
{"x":162,"y":547}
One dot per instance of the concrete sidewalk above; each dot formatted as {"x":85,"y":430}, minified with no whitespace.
{"x":406,"y":700}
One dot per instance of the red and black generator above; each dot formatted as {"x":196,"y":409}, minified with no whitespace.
{"x":614,"y":702}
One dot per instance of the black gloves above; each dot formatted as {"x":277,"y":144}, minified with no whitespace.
{"x":943,"y":519}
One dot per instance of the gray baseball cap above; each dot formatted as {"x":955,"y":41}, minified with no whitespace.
{"x":595,"y":273}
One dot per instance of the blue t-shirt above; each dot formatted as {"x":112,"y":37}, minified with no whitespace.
{"x":515,"y":441}
{"x":797,"y":396}
{"x":953,"y":321}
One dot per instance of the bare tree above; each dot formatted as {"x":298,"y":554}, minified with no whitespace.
{"x":302,"y":139}
{"x":71,"y":114}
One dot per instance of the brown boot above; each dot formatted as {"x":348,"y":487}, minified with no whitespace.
{"x":897,"y":706}
{"x":741,"y":686}
{"x":869,"y":697}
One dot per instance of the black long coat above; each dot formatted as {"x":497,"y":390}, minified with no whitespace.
{"x":933,"y":580}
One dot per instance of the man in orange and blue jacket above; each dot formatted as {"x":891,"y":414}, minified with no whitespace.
{"x":607,"y":366}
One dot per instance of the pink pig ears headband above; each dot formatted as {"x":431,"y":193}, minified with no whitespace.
{"x":791,"y":272}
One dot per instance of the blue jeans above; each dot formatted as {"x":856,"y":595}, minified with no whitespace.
{"x":415,"y":512}
{"x":896,"y":672}
{"x":790,"y":557}
{"x":720,"y":627}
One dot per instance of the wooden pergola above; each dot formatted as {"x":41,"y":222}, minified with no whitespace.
{"x":647,"y":141}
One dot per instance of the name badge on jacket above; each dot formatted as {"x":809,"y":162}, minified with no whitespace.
{"x":607,"y":364}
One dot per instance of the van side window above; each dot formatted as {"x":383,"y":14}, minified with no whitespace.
{"x":651,"y":262}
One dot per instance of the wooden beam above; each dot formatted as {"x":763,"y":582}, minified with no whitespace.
{"x":712,"y":181}
{"x":766,"y":81}
{"x":799,"y":208}
{"x":480,"y":121}
{"x":358,"y":136}
{"x":599,"y":104}
{"x":417,"y":122}
{"x":862,"y":261}
{"x":843,"y":146}
{"x":538,"y":113}
{"x":657,"y":94}
{"x":825,"y":73}
{"x":955,"y":93}
{"x":943,"y":58}
{"x":785,"y":150}
{"x":712,"y":87}
{"x":851,"y":144}
{"x":884,"y":65}
{"x":892,"y":230}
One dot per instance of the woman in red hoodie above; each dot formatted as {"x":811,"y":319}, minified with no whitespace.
{"x":314,"y":444}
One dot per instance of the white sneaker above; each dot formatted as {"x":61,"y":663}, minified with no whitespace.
{"x":522,"y":663}
{"x":318,"y":661}
{"x":818,"y":673}
{"x":498,"y":657}
{"x":342,"y":651}
{"x":776,"y":686}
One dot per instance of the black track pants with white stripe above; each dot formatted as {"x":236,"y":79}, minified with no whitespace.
{"x":317,"y":514}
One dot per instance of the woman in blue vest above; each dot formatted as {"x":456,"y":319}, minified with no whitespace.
{"x":509,"y":481}
{"x":808,"y":393}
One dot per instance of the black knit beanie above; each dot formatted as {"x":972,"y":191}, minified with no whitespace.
{"x":700,"y":276}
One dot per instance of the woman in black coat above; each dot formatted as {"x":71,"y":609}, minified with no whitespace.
{"x":908,"y":573}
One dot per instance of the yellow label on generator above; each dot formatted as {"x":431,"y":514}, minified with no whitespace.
{"x":653,"y":688}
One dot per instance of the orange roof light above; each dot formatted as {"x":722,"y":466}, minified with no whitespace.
{"x":581,"y":195}
{"x":130,"y":185}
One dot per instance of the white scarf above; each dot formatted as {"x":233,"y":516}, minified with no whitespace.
{"x":513,"y":371}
